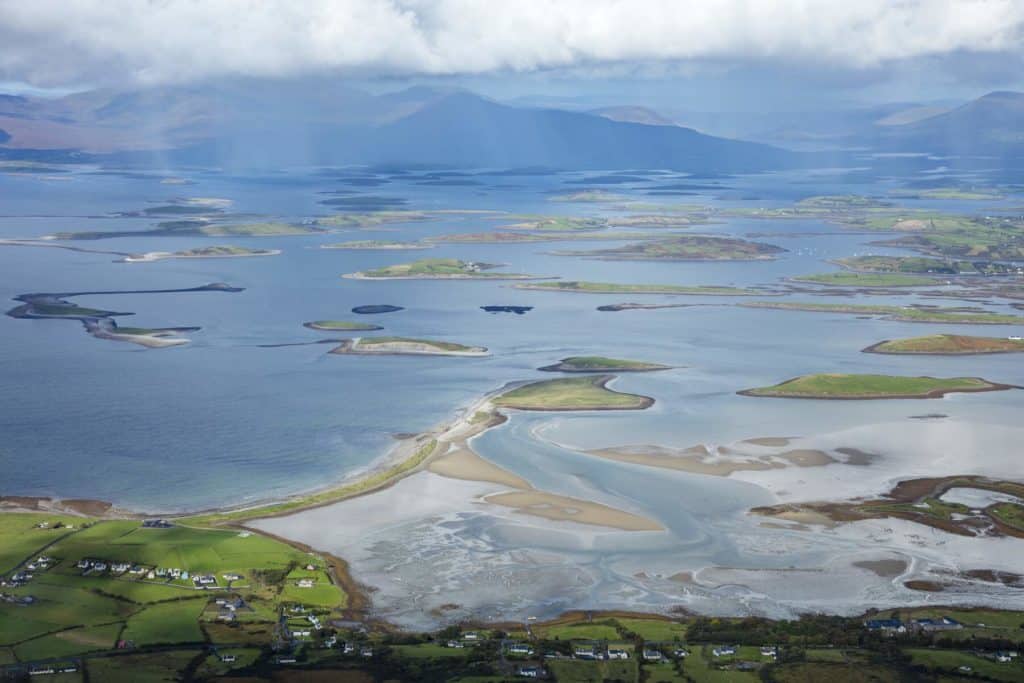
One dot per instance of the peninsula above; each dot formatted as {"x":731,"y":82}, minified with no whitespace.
{"x":225,"y":251}
{"x":617,"y":288}
{"x":910,"y":314}
{"x":865,"y":387}
{"x":686,"y":248}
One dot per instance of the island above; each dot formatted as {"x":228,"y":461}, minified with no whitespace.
{"x":866,"y":387}
{"x":588,"y":196}
{"x":557,"y":223}
{"x":376,"y":245}
{"x":437,"y":269}
{"x":612,"y":308}
{"x":948,"y":345}
{"x":583,"y":287}
{"x":966,"y":193}
{"x":518,"y":310}
{"x":573,"y":393}
{"x":404,"y":346}
{"x":853,"y":279}
{"x":686,"y":248}
{"x":376,"y":309}
{"x":373,"y":219}
{"x":602,"y":364}
{"x":150,"y":337}
{"x":199,"y":253}
{"x":345,"y":325}
{"x":911,"y":314}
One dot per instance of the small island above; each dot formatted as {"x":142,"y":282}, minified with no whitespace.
{"x":376,"y":309}
{"x":404,"y":346}
{"x":867,"y":387}
{"x":602,"y":364}
{"x":344,"y":325}
{"x":632,"y":306}
{"x":197,"y":228}
{"x":948,"y":345}
{"x":557,"y":223}
{"x":437,"y":269}
{"x":616,"y":288}
{"x":225,"y":251}
{"x":855,"y":279}
{"x":571,"y":393}
{"x":376,"y":245}
{"x":686,"y":248}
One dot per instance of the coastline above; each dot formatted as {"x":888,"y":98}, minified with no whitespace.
{"x":154,"y":256}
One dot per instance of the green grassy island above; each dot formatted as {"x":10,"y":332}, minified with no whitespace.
{"x":373,"y":219}
{"x":556,"y":223}
{"x":404,"y":346}
{"x":371,"y":245}
{"x":686,"y":248}
{"x":863,"y":387}
{"x":952,"y":316}
{"x":614,"y":288}
{"x":850,"y":279}
{"x":224,"y":251}
{"x":341,"y":325}
{"x":948,"y":344}
{"x":571,"y":393}
{"x":602,"y":364}
{"x":437,"y":269}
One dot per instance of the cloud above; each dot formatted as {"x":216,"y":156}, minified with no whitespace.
{"x":64,"y":42}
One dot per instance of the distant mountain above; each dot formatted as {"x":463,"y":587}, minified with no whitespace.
{"x":642,"y":115}
{"x":992,"y":125}
{"x":300,"y":123}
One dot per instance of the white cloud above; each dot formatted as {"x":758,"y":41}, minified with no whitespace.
{"x":61,"y":42}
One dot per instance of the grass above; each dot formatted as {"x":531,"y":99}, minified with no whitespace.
{"x":167,"y":622}
{"x":948,"y":661}
{"x":71,"y":642}
{"x":686,"y":248}
{"x":20,"y":537}
{"x":429,"y":651}
{"x":323,"y":593}
{"x":866,"y":279}
{"x":869,"y":386}
{"x":698,"y":666}
{"x":948,"y":344}
{"x":223,"y":250}
{"x":813,"y":672}
{"x":1009,"y":514}
{"x":581,"y":631}
{"x":373,"y":219}
{"x":902,"y":313}
{"x":342,"y":325}
{"x":160,"y":667}
{"x":557,"y":223}
{"x":615,"y":288}
{"x":186,"y":228}
{"x":587,"y":671}
{"x":574,"y":393}
{"x":658,"y":630}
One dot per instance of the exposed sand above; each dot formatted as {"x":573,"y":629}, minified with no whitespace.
{"x":772,"y":441}
{"x":563,"y":508}
{"x":463,"y":463}
{"x":888,"y":569}
{"x":723,"y":462}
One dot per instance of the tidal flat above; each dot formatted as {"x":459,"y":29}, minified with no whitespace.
{"x":294,"y":419}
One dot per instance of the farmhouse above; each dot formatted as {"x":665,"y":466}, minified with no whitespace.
{"x":724,"y":651}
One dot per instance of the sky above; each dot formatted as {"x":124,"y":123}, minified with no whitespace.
{"x":720,"y":54}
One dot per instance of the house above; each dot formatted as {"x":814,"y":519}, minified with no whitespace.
{"x":943,"y":624}
{"x":471,"y":635}
{"x":285,"y":660}
{"x":618,"y":654}
{"x":652,"y":655}
{"x":83,"y":564}
{"x":330,"y":641}
{"x":227,"y":659}
{"x":1005,"y":656}
{"x":529,"y":672}
{"x":724,"y":651}
{"x":226,"y":615}
{"x":457,"y":644}
{"x":520,"y":649}
{"x":150,"y":575}
{"x":232,"y":577}
{"x":681,"y":652}
{"x":885,"y":625}
{"x":304,"y":583}
{"x":586,"y":652}
{"x":769,"y":651}
{"x":366,"y":651}
{"x":348,"y":648}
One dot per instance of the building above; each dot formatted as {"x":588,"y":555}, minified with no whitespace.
{"x":530,"y":672}
{"x":681,"y":652}
{"x":520,"y":649}
{"x":769,"y":651}
{"x":585,"y":652}
{"x":724,"y":651}
{"x":943,"y":624}
{"x":457,"y":644}
{"x":616,"y":653}
{"x":889,"y":626}
{"x":652,"y":655}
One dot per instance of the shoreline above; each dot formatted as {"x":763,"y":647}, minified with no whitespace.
{"x":933,"y":393}
{"x":874,"y":348}
{"x":154,"y":256}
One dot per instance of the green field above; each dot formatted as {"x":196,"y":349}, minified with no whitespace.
{"x":949,"y":661}
{"x":602,"y":364}
{"x":850,"y":279}
{"x":399,"y":342}
{"x":587,"y":672}
{"x":920,"y":265}
{"x":871,"y":387}
{"x":341,"y":325}
{"x":167,"y":622}
{"x":617,"y":288}
{"x":1009,"y":514}
{"x":586,"y":196}
{"x":951,"y":344}
{"x":573,"y":393}
{"x":221,"y":250}
{"x":953,"y":316}
{"x":686,"y":248}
